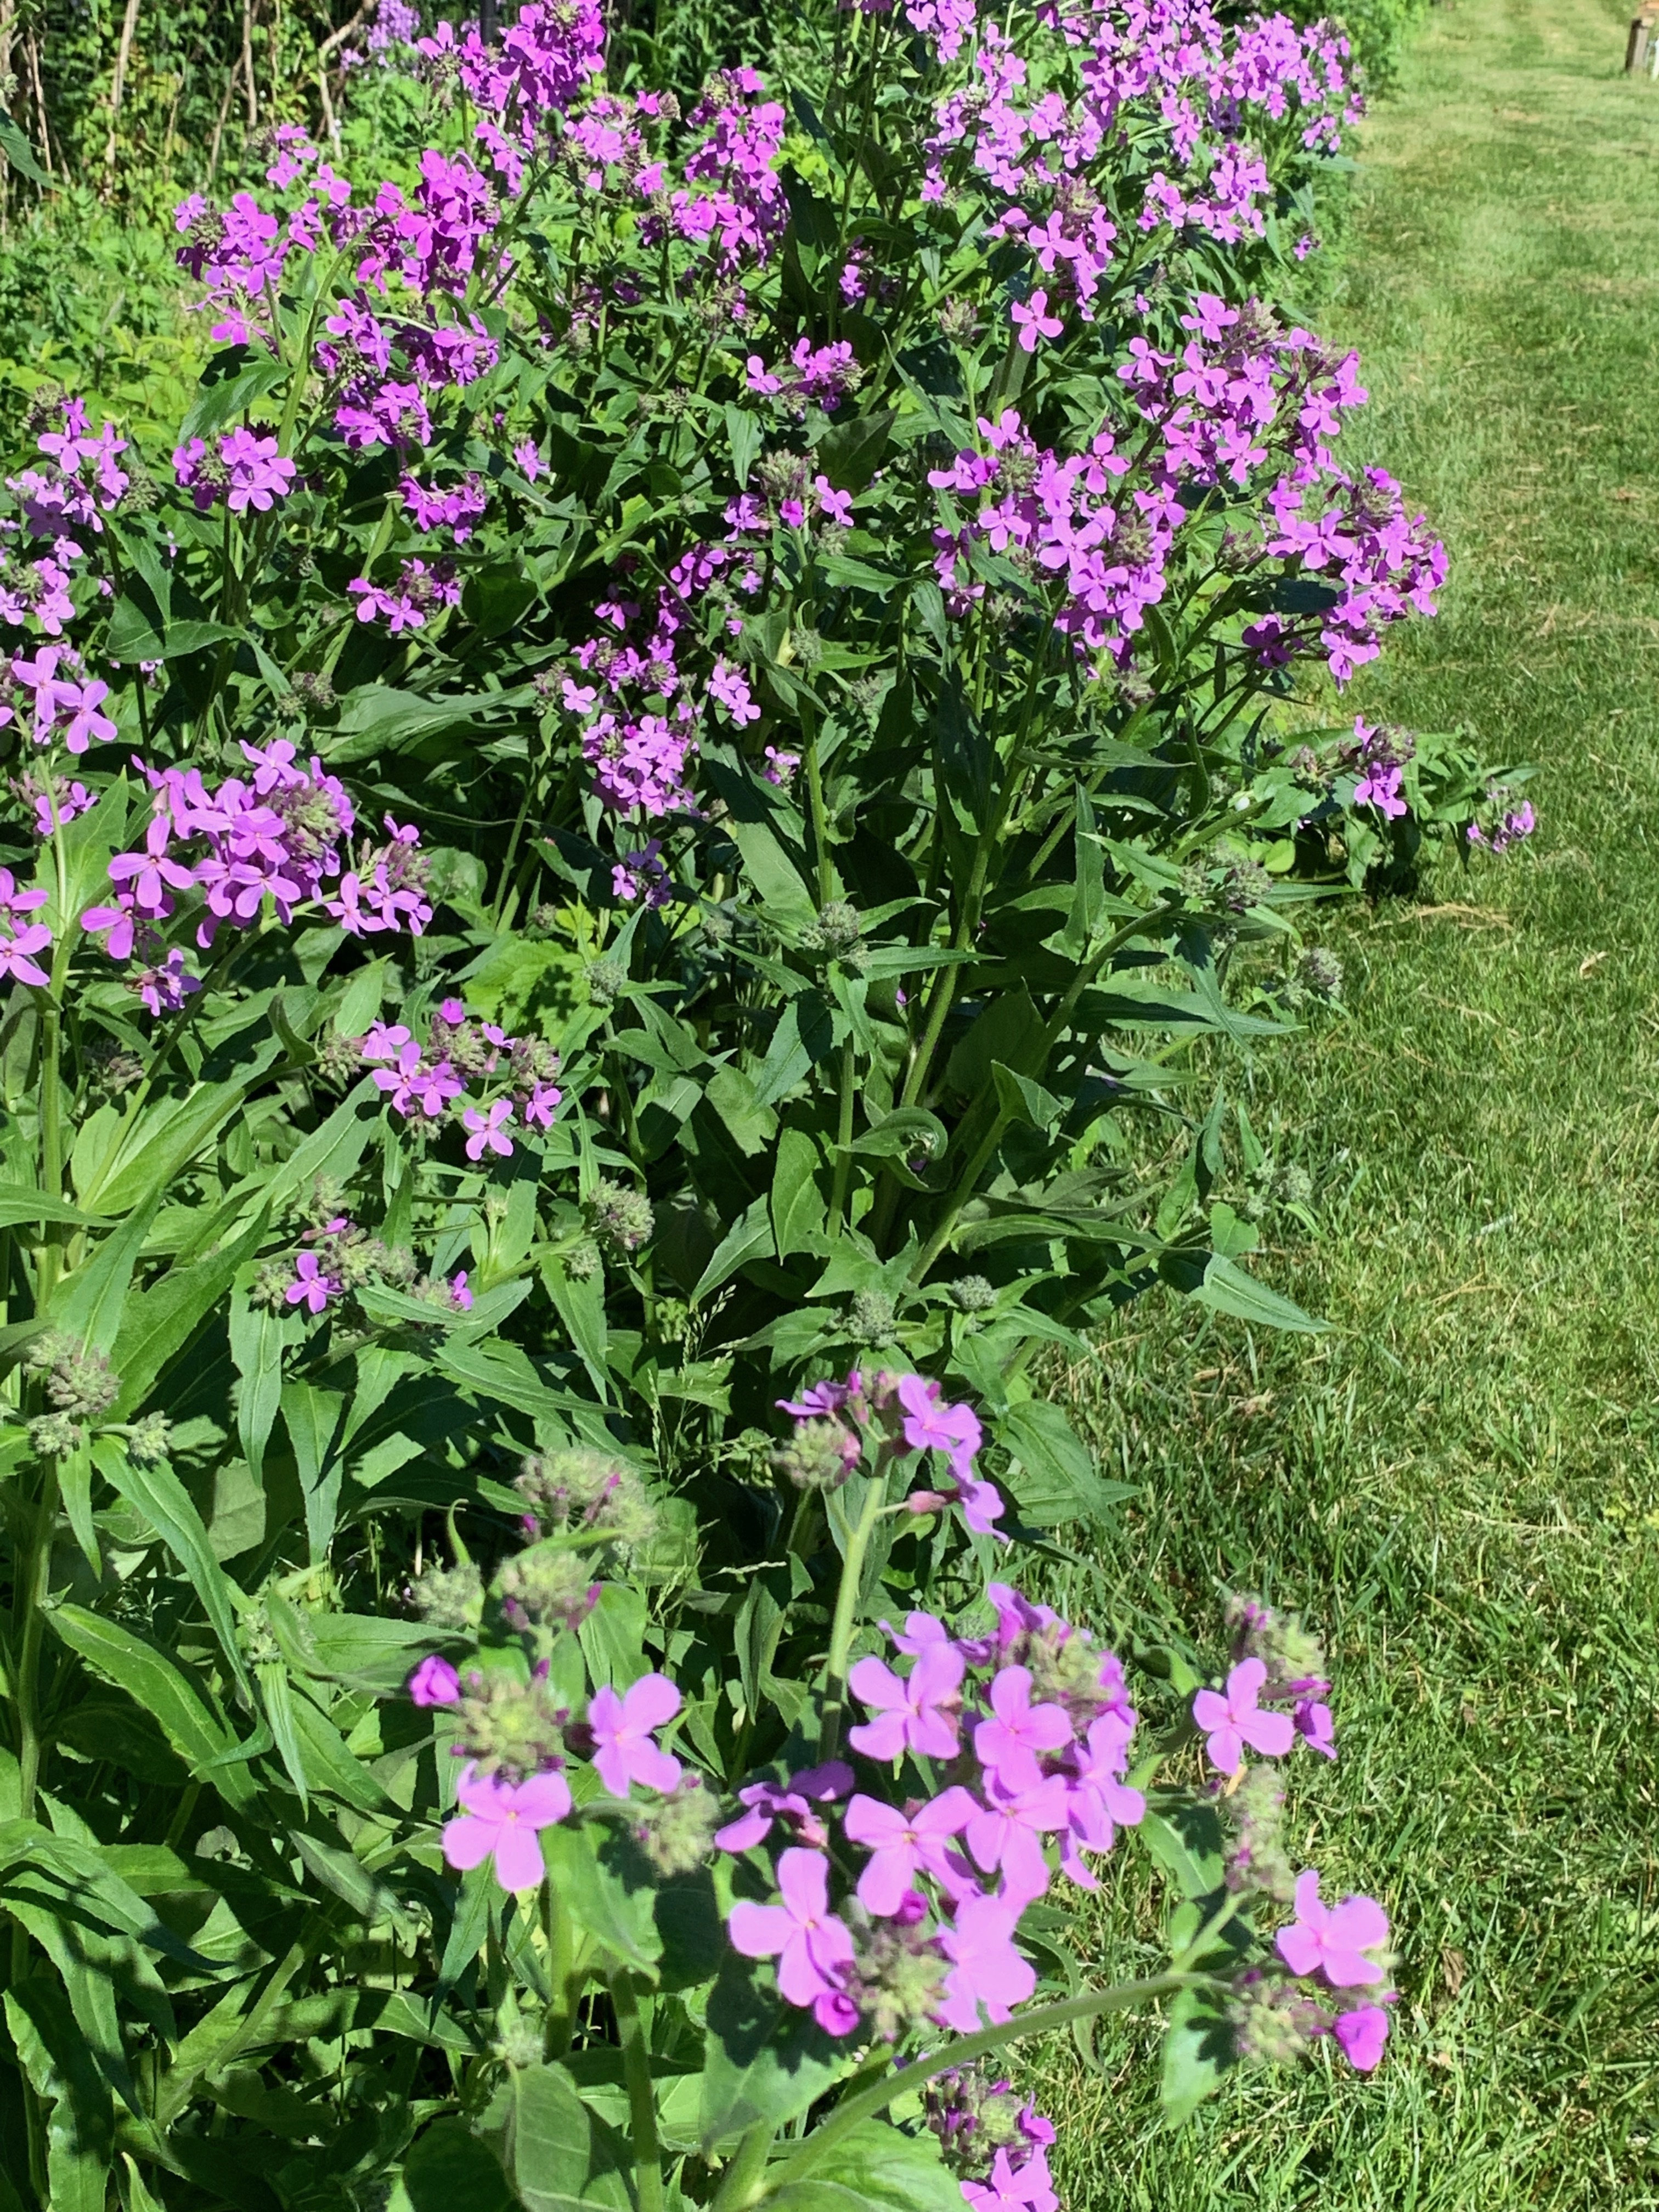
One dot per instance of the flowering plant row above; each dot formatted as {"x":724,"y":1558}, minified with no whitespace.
{"x":710,"y":721}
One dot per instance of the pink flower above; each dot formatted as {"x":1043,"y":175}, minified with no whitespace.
{"x":1035,"y":321}
{"x":837,"y":505}
{"x":912,"y":1718}
{"x":1312,"y":1720}
{"x":486,"y":1130}
{"x":812,"y":1947}
{"x":624,"y":1749}
{"x":314,"y":1288}
{"x":1332,"y":1939}
{"x":931,"y":1427}
{"x":1026,"y":2187}
{"x":1007,"y":1745}
{"x":1233,"y":1720}
{"x":903,"y":1844}
{"x":258,"y":472}
{"x":460,"y":1296}
{"x":1004,"y":1832}
{"x":1362,"y":2033}
{"x":792,"y":1805}
{"x":434,"y":1683}
{"x":986,"y":1968}
{"x":502,"y":1820}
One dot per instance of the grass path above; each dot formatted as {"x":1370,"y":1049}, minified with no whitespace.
{"x":1462,"y":1481}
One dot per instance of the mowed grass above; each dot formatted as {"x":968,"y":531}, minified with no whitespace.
{"x":1460,"y":1481}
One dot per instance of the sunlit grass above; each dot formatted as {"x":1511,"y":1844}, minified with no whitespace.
{"x":1461,"y":1482}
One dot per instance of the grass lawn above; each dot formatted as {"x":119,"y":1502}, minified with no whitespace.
{"x":1461,"y":1482}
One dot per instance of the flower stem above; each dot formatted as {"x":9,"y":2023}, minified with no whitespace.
{"x":845,"y":1619}
{"x":906,"y":2080}
{"x":641,"y":2098}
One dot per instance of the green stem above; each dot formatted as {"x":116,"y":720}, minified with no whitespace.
{"x":843,"y":1138}
{"x":34,"y":1587}
{"x":820,"y":819}
{"x":641,"y":2098}
{"x":845,"y":1619}
{"x":739,"y":2182}
{"x":906,"y":2080}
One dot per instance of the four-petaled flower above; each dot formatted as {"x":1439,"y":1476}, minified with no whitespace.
{"x":486,"y":1130}
{"x":503,"y":1820}
{"x":315,"y":1287}
{"x":1008,"y":1744}
{"x":1232,"y":1719}
{"x":911,"y":1718}
{"x":1035,"y":321}
{"x":930,"y":1426}
{"x":621,"y":1725}
{"x":903,"y":1844}
{"x":813,"y":1947}
{"x":1332,"y":1940}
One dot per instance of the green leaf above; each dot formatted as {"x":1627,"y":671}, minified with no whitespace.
{"x":80,"y":2122}
{"x":1186,"y":1842}
{"x":168,"y":1506}
{"x":879,"y":2169}
{"x":377,"y":718}
{"x":1022,"y":1100}
{"x":1198,"y":2050}
{"x":799,"y":1209}
{"x":1058,"y":1481}
{"x":165,"y":1138}
{"x":1227,"y":1288}
{"x":559,"y":2154}
{"x":907,"y":1129}
{"x":258,"y":1336}
{"x":222,"y":398}
{"x":766,"y":2061}
{"x":749,"y":1237}
{"x":361,"y":1649}
{"x":604,"y":1882}
{"x":161,"y":1686}
{"x":89,"y":1302}
{"x":449,"y":2169}
{"x":750,"y":1125}
{"x":497,"y":597}
{"x":579,"y":1301}
{"x":17,"y":1204}
{"x":311,"y":1416}
{"x":745,"y":437}
{"x":20,"y":154}
{"x":158,"y":1325}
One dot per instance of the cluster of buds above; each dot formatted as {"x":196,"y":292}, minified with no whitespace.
{"x":897,"y":1974}
{"x":896,"y":1415}
{"x":618,"y":1217}
{"x":547,"y":1588}
{"x":589,"y":1493}
{"x":448,"y":1598}
{"x":79,"y":1385}
{"x":677,"y":1831}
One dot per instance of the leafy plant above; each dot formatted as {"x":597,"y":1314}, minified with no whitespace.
{"x":817,"y":635}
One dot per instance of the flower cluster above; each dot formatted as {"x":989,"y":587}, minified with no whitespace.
{"x":1022,"y":1737}
{"x":243,"y":469}
{"x":976,"y":2119}
{"x":51,"y":694}
{"x":514,"y":1076}
{"x":279,"y":833}
{"x":1275,"y":1660}
{"x":893,"y":1415}
{"x":65,"y":499}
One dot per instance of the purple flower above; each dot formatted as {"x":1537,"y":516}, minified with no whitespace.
{"x":1007,"y":1745}
{"x":313,"y":1288}
{"x":812,"y":1947}
{"x":1035,"y":321}
{"x":1362,"y":2033}
{"x":257,"y":473}
{"x":1008,"y":2188}
{"x":434,"y":1683}
{"x":1004,"y":1833}
{"x":910,"y":1710}
{"x":1312,"y":1720}
{"x":931,"y":1427}
{"x":502,"y":1820}
{"x":486,"y":1130}
{"x":792,"y":1805}
{"x":986,"y":1968}
{"x":624,"y":1751}
{"x":1332,"y":1939}
{"x":904,"y":1844}
{"x":460,"y":1296}
{"x":1231,"y":1720}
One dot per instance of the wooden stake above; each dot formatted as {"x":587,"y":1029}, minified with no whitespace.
{"x":123,"y":56}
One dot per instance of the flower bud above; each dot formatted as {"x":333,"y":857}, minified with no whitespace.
{"x":619,"y":1217}
{"x":510,"y":1728}
{"x":1273,"y":2021}
{"x":449,"y":1597}
{"x":548,"y":1589}
{"x":871,"y":1317}
{"x":972,"y":1294}
{"x":676,"y":1832}
{"x":820,"y":1456}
